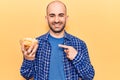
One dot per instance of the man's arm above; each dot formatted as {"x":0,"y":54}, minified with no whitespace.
{"x":80,"y":59}
{"x":27,"y":69}
{"x":83,"y":65}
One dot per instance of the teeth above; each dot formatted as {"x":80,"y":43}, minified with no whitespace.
{"x":57,"y":25}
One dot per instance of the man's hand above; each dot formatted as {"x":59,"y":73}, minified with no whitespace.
{"x":69,"y":50}
{"x":29,"y":53}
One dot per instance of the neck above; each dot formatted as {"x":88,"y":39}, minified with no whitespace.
{"x":57,"y":35}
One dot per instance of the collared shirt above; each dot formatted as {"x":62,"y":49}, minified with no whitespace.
{"x":79,"y":67}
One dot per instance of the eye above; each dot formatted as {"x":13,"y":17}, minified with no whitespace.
{"x":51,"y":15}
{"x":61,"y":14}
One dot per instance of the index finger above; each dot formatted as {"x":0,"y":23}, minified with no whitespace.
{"x":63,"y":46}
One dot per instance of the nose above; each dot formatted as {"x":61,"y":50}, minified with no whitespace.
{"x":56,"y":19}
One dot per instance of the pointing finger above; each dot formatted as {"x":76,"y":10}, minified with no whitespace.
{"x":63,"y":46}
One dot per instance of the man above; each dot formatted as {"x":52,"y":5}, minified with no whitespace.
{"x":58,"y":55}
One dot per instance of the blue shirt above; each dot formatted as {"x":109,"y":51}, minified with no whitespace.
{"x":56,"y":59}
{"x":79,"y":67}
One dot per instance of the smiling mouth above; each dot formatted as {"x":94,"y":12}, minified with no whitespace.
{"x":57,"y":25}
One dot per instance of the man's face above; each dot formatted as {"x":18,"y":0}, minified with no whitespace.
{"x":56,"y":17}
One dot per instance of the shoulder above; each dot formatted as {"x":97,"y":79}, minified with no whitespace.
{"x":77,"y":42}
{"x":42,"y":37}
{"x":75,"y":39}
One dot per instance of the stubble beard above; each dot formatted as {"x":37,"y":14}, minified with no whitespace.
{"x":59,"y":31}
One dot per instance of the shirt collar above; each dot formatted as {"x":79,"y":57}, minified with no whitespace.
{"x":67,"y":36}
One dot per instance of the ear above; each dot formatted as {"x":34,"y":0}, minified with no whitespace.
{"x":46,"y":18}
{"x":67,"y":18}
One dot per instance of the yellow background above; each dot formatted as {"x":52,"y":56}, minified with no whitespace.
{"x":97,"y":22}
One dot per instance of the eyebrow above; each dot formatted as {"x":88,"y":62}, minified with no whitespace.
{"x":61,"y":14}
{"x":51,"y":14}
{"x":58,"y":14}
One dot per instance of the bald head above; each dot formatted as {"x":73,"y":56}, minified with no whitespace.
{"x":56,"y":16}
{"x":56,"y":4}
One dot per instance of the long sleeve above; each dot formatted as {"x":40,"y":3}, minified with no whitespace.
{"x":83,"y":65}
{"x":27,"y":70}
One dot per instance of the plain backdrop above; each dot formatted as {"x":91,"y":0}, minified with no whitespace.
{"x":97,"y":22}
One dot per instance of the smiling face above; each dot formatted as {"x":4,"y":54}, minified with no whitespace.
{"x":56,"y":16}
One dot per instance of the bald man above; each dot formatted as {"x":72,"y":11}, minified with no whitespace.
{"x":58,"y":55}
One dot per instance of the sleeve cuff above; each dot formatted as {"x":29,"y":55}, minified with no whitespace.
{"x":77,"y":59}
{"x":28,"y":62}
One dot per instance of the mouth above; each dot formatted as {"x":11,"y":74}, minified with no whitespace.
{"x":57,"y":25}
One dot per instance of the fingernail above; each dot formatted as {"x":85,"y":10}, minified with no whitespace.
{"x":59,"y":45}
